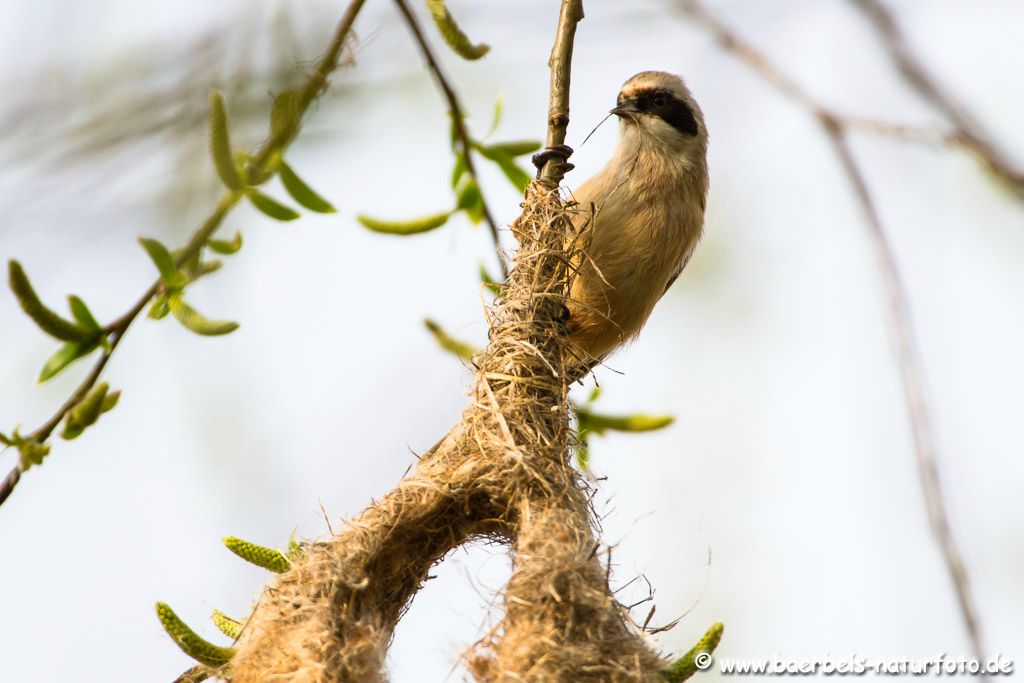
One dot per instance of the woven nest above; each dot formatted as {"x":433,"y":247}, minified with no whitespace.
{"x":502,"y":473}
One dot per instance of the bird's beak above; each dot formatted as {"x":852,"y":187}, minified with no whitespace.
{"x":628,"y":109}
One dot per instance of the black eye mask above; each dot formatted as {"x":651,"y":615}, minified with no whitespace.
{"x":667,"y":107}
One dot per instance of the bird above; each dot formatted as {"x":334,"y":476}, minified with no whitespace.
{"x":645,"y":213}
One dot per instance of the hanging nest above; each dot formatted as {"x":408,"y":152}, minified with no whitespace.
{"x":503,"y":473}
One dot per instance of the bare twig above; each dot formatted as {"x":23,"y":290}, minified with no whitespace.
{"x":458,"y":120}
{"x":969,"y":132}
{"x":560,"y":64}
{"x":261,"y":164}
{"x":912,"y":375}
{"x":195,"y":674}
{"x":898,"y":309}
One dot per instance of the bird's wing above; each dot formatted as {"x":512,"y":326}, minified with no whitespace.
{"x":675,"y":275}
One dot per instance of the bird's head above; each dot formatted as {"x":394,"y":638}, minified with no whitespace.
{"x":659,"y":107}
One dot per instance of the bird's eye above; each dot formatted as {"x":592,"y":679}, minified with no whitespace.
{"x":660,"y":101}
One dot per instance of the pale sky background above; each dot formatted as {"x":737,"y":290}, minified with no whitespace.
{"x":790,"y":458}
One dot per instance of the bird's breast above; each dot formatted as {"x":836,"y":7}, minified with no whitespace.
{"x":646,"y":219}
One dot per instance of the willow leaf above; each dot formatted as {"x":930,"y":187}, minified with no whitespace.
{"x":301,"y":192}
{"x":453,"y":35}
{"x":220,"y":143}
{"x":515,"y":148}
{"x":224,"y":246}
{"x":47,"y":320}
{"x":82,"y":314}
{"x":271,"y":207}
{"x":449,"y":343}
{"x":639,"y":422}
{"x":164,"y":262}
{"x":63,"y":357}
{"x":409,"y":227}
{"x":195,"y":321}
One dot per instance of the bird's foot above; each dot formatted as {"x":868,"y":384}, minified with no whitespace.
{"x":560,"y":153}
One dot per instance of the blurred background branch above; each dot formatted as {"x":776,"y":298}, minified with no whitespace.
{"x":458,"y":117}
{"x":284,"y":126}
{"x":967,"y":131}
{"x":908,"y":357}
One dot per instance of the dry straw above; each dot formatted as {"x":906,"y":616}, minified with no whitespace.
{"x":504,"y":474}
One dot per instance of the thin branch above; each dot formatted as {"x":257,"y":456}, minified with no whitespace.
{"x":898,"y":310}
{"x":195,"y":674}
{"x":969,"y":132}
{"x":261,"y":165}
{"x":458,"y":121}
{"x":966,"y":135}
{"x":914,"y":395}
{"x":556,"y":153}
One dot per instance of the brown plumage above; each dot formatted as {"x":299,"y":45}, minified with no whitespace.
{"x":647,"y":206}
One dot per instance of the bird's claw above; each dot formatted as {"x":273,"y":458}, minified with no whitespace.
{"x":561,"y":153}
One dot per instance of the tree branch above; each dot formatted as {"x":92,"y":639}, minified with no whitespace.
{"x":914,"y":395}
{"x":969,"y":132}
{"x":966,"y":134}
{"x":458,"y":121}
{"x":560,"y":64}
{"x":261,"y":166}
{"x":898,"y":310}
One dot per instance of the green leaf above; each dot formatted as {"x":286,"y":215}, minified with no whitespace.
{"x":470,"y":200}
{"x":159,"y":309}
{"x":284,"y":112}
{"x":207,"y":267}
{"x":453,"y":35}
{"x":459,"y":169}
{"x":220,"y":143}
{"x":164,"y":263}
{"x":110,"y":401}
{"x":301,"y":192}
{"x":232,"y":628}
{"x":6,"y":440}
{"x":268,"y":558}
{"x":687,"y":665}
{"x":195,"y":321}
{"x":515,"y":148}
{"x":271,"y":207}
{"x":83,"y":315}
{"x":639,"y":422}
{"x":582,"y":451}
{"x":469,"y":196}
{"x":64,"y":356}
{"x":409,"y":227}
{"x":515,"y":174}
{"x":449,"y":343}
{"x":595,"y":394}
{"x":489,"y":281}
{"x":475,"y":213}
{"x":499,"y":110}
{"x":30,"y":453}
{"x":503,"y":154}
{"x":224,"y":247}
{"x":86,"y":412}
{"x":47,"y":320}
{"x":190,"y":642}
